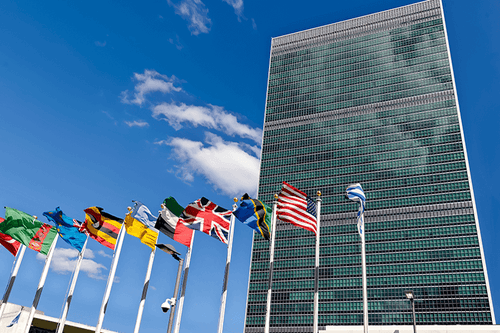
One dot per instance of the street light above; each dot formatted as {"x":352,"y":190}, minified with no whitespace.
{"x":171,"y":302}
{"x":411,"y":296}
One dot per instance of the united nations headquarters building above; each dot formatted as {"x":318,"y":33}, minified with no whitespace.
{"x":371,"y":100}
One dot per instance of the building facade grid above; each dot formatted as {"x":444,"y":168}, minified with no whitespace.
{"x":370,"y":100}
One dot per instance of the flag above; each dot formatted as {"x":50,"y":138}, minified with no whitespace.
{"x":169,"y":224}
{"x":255,"y":214}
{"x":68,"y":228}
{"x":102,"y":227}
{"x":8,"y":242}
{"x":15,"y":320}
{"x":28,"y":230}
{"x":296,"y":207}
{"x":139,"y":222}
{"x":355,"y":193}
{"x":207,"y":217}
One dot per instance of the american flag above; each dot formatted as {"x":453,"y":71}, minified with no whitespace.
{"x":296,"y":207}
{"x":207,"y":217}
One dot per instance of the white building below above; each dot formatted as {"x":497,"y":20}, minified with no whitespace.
{"x":41,"y":323}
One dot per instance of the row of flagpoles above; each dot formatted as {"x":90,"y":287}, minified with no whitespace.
{"x":19,"y":230}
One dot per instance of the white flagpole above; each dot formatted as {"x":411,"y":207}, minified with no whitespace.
{"x":62,"y":322}
{"x":363,"y":264}
{"x":145,"y":289}
{"x":184,"y":282}
{"x":226,"y":273}
{"x":19,"y":259}
{"x":355,"y":192}
{"x":271,"y":260}
{"x":316,"y":268}
{"x":41,"y":283}
{"x":111,"y":277}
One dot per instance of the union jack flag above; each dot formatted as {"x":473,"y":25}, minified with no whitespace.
{"x":205,"y":216}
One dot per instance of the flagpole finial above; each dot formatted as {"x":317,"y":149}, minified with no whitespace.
{"x":162,"y":206}
{"x":318,"y":193}
{"x":129,"y":209}
{"x":275,"y":196}
{"x":235,"y":199}
{"x":35,"y":217}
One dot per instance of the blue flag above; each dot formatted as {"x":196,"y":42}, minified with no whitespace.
{"x":68,"y":228}
{"x":255,"y":214}
{"x":15,"y":320}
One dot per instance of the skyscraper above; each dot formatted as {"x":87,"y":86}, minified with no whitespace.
{"x":370,"y":100}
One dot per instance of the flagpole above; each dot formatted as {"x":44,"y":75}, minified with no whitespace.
{"x":184,"y":282}
{"x":19,"y":259}
{"x":271,"y":260}
{"x":41,"y":283}
{"x":176,"y":293}
{"x":111,"y":277}
{"x":363,"y":264}
{"x":316,"y":268}
{"x":226,"y":273}
{"x":145,"y":289}
{"x":62,"y":322}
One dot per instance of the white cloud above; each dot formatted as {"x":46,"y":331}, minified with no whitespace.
{"x":137,"y":123}
{"x":64,"y":262}
{"x":100,"y":44}
{"x":195,"y":13}
{"x":238,"y":7}
{"x":229,"y":166}
{"x":104,"y":254}
{"x":211,"y":116}
{"x":150,"y":81}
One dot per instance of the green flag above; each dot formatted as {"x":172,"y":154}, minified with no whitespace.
{"x":29,"y":231}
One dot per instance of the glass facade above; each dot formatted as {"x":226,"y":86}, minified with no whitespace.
{"x":370,"y":100}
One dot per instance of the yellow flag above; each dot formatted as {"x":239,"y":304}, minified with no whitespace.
{"x":140,"y":230}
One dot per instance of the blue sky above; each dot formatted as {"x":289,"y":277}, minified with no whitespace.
{"x":104,"y":102}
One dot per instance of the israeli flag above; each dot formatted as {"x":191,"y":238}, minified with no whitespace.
{"x":355,"y":193}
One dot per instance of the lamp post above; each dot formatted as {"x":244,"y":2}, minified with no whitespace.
{"x":411,"y":296}
{"x":170,"y":249}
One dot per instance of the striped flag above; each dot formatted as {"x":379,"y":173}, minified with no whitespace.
{"x":101,"y":226}
{"x":296,"y":207}
{"x":8,"y":242}
{"x":355,"y":193}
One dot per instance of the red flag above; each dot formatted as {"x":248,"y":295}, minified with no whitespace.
{"x":296,"y":207}
{"x":8,"y":242}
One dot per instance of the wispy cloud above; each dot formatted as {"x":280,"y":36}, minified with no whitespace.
{"x":195,"y":12}
{"x":176,"y":42}
{"x":104,"y":254}
{"x":238,"y":7}
{"x":149,"y":82}
{"x":230,"y":167}
{"x":211,"y":116}
{"x":137,"y":123}
{"x":64,"y":262}
{"x":100,"y":44}
{"x":254,"y":25}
